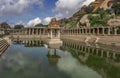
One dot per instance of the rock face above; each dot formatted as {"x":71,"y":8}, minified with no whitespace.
{"x":105,"y":4}
{"x":81,"y":11}
{"x":114,"y":22}
{"x":102,"y":4}
{"x":84,"y":22}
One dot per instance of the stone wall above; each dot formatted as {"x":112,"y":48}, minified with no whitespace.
{"x":104,"y":35}
{"x":107,"y":40}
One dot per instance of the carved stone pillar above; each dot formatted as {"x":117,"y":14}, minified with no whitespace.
{"x":115,"y":31}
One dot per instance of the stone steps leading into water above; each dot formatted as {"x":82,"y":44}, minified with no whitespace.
{"x":3,"y":46}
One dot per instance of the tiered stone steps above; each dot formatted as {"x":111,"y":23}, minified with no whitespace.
{"x":3,"y":46}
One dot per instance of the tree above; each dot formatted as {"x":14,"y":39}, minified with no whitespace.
{"x":4,"y":25}
{"x":39,"y":25}
{"x":102,"y":12}
{"x":18,"y":26}
{"x":89,"y":9}
{"x":116,"y":8}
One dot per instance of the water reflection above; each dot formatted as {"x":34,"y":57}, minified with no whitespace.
{"x":30,"y":59}
{"x":53,"y":58}
{"x":30,"y":43}
{"x":106,"y":62}
{"x":75,"y":69}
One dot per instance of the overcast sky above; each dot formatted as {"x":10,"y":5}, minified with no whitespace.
{"x":31,"y":12}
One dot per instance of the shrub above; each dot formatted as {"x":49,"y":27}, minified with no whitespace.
{"x":71,"y":24}
{"x":98,"y":21}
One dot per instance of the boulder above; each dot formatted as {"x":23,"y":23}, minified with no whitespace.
{"x":84,"y":22}
{"x":114,"y":22}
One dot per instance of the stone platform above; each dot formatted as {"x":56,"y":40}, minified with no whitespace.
{"x":54,"y":41}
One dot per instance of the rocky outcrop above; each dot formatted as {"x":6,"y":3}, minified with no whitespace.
{"x":114,"y":22}
{"x":105,"y":4}
{"x":84,"y":22}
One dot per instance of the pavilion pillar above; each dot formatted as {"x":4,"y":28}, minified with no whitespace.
{"x":28,"y":31}
{"x":103,"y":31}
{"x":93,"y":30}
{"x":40,"y":32}
{"x":72,"y":31}
{"x":36,"y":31}
{"x":115,"y":31}
{"x":81,"y":31}
{"x":51,"y":33}
{"x":98,"y":31}
{"x":58,"y":31}
{"x":86,"y":31}
{"x":89,"y":30}
{"x":69,"y":32}
{"x":33,"y":31}
{"x":108,"y":30}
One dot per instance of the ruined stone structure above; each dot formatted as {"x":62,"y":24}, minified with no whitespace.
{"x":33,"y":32}
{"x":50,"y":33}
{"x":93,"y":31}
{"x":104,"y":35}
{"x":54,"y":32}
{"x":54,"y":28}
{"x":54,"y":23}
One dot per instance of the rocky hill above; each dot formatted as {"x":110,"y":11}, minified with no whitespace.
{"x":92,"y":7}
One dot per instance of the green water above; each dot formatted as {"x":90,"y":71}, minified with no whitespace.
{"x":20,"y":61}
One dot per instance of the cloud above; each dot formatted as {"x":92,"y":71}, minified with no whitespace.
{"x":34,"y":22}
{"x":47,"y":20}
{"x":20,"y":23}
{"x":87,"y":2}
{"x":17,"y":6}
{"x":74,"y":68}
{"x":65,"y":8}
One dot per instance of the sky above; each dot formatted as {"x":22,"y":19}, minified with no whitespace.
{"x":32,"y":12}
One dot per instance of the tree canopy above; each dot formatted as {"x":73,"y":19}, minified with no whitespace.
{"x":89,"y":9}
{"x":18,"y":26}
{"x":39,"y":25}
{"x":116,"y":8}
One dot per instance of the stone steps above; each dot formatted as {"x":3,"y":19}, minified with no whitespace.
{"x":3,"y":46}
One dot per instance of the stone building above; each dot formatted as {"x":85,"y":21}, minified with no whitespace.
{"x":54,"y":23}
